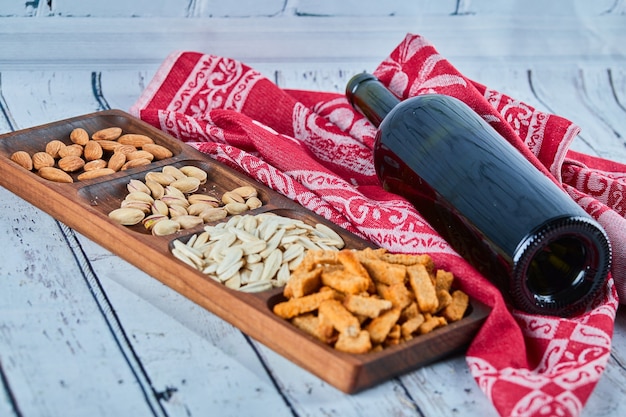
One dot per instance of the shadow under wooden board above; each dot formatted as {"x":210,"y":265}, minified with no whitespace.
{"x":85,"y":206}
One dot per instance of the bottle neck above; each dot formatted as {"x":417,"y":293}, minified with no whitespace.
{"x":370,"y":97}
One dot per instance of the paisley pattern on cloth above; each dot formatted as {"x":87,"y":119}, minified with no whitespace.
{"x":315,"y":149}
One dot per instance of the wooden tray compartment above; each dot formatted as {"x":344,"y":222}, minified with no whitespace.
{"x":85,"y":205}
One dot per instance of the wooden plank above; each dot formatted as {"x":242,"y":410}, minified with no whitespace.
{"x":52,"y":330}
{"x":137,"y":43}
{"x":200,"y":360}
{"x":562,"y":92}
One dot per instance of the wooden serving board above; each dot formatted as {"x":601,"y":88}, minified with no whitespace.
{"x":84,"y":206}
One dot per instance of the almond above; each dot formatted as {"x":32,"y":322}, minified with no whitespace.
{"x":92,"y":150}
{"x":71,"y":163}
{"x":159,"y":152}
{"x":74,"y":149}
{"x":109,"y":133}
{"x":139,"y":162}
{"x":42,"y":159}
{"x":139,"y":154}
{"x":53,"y":147}
{"x":95,"y":173}
{"x":55,"y":174}
{"x":108,"y":145}
{"x":135,"y":139}
{"x":95,"y":164}
{"x":79,"y":136}
{"x":125,"y":149}
{"x":116,"y":161}
{"x":23,"y":158}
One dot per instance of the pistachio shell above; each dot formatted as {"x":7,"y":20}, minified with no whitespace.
{"x":136,"y":185}
{"x":165,"y":227}
{"x":245,"y":191}
{"x":186,"y":185}
{"x":193,"y":171}
{"x":188,"y":221}
{"x":127,"y":216}
{"x":157,"y":191}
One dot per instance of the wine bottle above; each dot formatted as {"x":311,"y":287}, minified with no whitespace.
{"x":508,"y":219}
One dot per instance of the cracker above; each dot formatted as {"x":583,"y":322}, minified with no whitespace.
{"x":366,"y":305}
{"x":423,"y":288}
{"x":457,"y":307}
{"x":380,"y":327}
{"x":296,"y":306}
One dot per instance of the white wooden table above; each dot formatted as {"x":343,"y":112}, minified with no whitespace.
{"x":82,"y":332}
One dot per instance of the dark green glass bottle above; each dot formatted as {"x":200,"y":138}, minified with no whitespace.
{"x":509,"y":220}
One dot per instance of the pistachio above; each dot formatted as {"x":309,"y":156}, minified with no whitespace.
{"x":236,"y":208}
{"x":245,"y":191}
{"x":187,"y":221}
{"x":159,"y":177}
{"x":156,"y":189}
{"x":173,"y":171}
{"x":127,"y":216}
{"x":193,"y":171}
{"x":253,"y":203}
{"x":159,"y":207}
{"x":203,"y":198}
{"x":139,"y":196}
{"x":187,"y":184}
{"x":136,"y":185}
{"x":149,"y":221}
{"x":231,"y":197}
{"x":213,"y":214}
{"x":165,"y":227}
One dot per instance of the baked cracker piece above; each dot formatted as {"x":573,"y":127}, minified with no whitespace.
{"x":380,"y":327}
{"x":411,"y":325}
{"x":431,"y":323}
{"x":354,"y":344}
{"x":296,"y":306}
{"x":368,"y":306}
{"x":399,"y":295}
{"x":342,"y":320}
{"x":456,"y":309}
{"x":310,"y":324}
{"x":423,"y":288}
{"x":385,"y":272}
{"x":345,"y":282}
{"x":303,"y":283}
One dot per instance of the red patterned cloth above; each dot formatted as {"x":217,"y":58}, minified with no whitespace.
{"x":313,"y":148}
